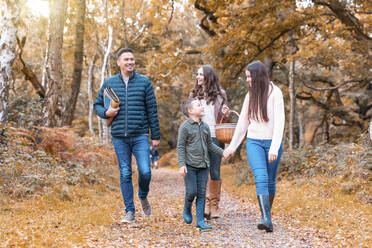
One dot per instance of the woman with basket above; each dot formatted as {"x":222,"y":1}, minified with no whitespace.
{"x":262,"y":118}
{"x":214,"y":101}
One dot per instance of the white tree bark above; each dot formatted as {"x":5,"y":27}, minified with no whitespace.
{"x":102,"y":124}
{"x":292,"y":97}
{"x":90,"y":93}
{"x":370,"y":129}
{"x":9,"y":10}
{"x":300,"y":131}
{"x":43,"y":79}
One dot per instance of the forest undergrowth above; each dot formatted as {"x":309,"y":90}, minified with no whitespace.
{"x":57,"y":188}
{"x":327,"y":188}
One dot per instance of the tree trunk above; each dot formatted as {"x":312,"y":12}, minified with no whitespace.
{"x":300,"y":132}
{"x":78,"y":64}
{"x":8,"y":40}
{"x":370,"y":131}
{"x":268,"y":61}
{"x":325,"y":131}
{"x":102,"y":124}
{"x":124,"y":24}
{"x":44,"y":74}
{"x":90,"y":93}
{"x":292,"y":97}
{"x":54,"y":73}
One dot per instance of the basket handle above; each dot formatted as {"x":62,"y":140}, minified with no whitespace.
{"x":230,"y":111}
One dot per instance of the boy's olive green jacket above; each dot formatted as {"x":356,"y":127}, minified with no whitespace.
{"x":194,"y":143}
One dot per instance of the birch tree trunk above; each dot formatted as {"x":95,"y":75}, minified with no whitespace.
{"x":9,"y":18}
{"x":102,"y":124}
{"x":44,"y":73}
{"x":78,"y":64}
{"x":292,"y":90}
{"x":54,"y":73}
{"x":300,"y":131}
{"x":370,"y":131}
{"x":90,"y":93}
{"x":292,"y":97}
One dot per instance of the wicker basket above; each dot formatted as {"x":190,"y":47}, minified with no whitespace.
{"x":225,"y":131}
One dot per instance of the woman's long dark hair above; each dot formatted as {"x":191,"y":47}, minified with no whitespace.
{"x":259,"y":92}
{"x":212,"y":86}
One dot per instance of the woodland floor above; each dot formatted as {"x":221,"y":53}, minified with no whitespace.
{"x":73,"y":199}
{"x":165,"y":228}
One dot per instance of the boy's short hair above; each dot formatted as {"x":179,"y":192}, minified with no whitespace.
{"x":187,"y":105}
{"x":123,"y":50}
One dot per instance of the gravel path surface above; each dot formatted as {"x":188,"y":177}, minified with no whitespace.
{"x":165,"y":228}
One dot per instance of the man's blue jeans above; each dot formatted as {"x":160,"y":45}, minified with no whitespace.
{"x":264,"y":172}
{"x":139,"y":147}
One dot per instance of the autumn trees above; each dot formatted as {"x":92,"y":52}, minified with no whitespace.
{"x":319,"y":52}
{"x":332,"y":52}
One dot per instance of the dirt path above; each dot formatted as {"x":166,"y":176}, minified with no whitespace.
{"x":165,"y":228}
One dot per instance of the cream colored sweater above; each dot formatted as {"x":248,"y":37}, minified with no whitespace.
{"x":271,"y":130}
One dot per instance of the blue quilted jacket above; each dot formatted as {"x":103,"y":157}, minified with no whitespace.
{"x":138,"y":109}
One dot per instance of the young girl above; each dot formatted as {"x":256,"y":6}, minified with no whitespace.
{"x":194,"y":143}
{"x":214,"y":101}
{"x":262,"y":118}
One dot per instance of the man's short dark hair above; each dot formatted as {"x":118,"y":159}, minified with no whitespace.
{"x":187,"y":105}
{"x":124,"y":50}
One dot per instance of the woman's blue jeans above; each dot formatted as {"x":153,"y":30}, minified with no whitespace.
{"x":139,"y":147}
{"x":264,"y":172}
{"x":215,"y":161}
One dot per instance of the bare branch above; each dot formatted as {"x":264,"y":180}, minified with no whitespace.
{"x":171,"y":16}
{"x":27,"y":71}
{"x":345,"y":17}
{"x":208,"y":15}
{"x":315,"y":78}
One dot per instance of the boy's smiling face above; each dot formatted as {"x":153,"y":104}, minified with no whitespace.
{"x":196,"y":109}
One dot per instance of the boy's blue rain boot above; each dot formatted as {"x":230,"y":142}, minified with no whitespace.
{"x":200,"y":204}
{"x":187,"y":216}
{"x":265,"y":223}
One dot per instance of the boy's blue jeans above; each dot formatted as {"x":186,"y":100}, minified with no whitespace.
{"x":195,"y":183}
{"x":264,"y":172}
{"x":139,"y":147}
{"x":215,"y":161}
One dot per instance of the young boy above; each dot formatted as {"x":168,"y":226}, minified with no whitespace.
{"x":194,"y":142}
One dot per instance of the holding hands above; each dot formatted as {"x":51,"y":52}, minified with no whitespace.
{"x":227,"y":154}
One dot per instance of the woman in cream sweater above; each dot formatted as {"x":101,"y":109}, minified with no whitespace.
{"x":262,"y":122}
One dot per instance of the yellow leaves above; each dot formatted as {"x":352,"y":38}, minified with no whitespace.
{"x":316,"y":203}
{"x":51,"y":222}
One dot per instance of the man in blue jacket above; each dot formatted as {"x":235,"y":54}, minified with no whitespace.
{"x":136,"y":114}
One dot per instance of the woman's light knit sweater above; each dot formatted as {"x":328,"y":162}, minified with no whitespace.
{"x":271,"y":130}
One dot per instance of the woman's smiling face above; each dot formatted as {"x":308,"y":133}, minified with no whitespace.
{"x":200,"y":76}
